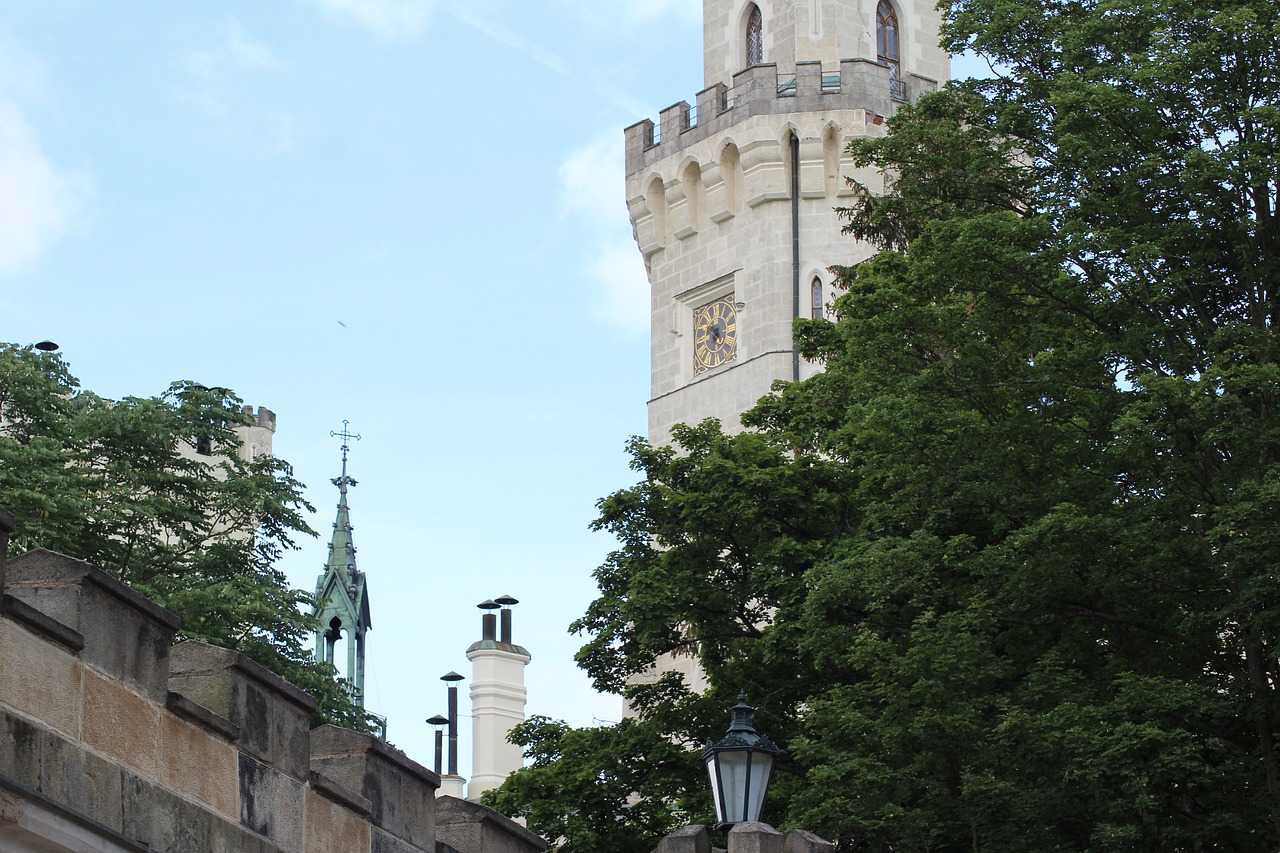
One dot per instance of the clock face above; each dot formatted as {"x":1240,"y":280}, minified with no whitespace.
{"x":715,"y":334}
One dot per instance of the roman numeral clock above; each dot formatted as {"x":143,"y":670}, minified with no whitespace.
{"x":715,"y":334}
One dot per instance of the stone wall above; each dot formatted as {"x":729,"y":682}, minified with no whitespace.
{"x":112,"y":739}
{"x":746,"y":837}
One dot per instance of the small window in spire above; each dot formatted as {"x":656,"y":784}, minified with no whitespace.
{"x":815,"y":298}
{"x":755,"y":37}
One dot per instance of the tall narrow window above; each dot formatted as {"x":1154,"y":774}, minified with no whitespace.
{"x":887,"y":47}
{"x":755,"y":37}
{"x":815,"y":298}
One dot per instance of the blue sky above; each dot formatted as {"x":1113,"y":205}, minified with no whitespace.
{"x":404,"y":214}
{"x":407,"y":214}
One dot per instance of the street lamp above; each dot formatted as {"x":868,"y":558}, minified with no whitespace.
{"x":739,"y":765}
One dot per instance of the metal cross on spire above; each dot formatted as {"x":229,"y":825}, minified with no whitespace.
{"x":346,"y":435}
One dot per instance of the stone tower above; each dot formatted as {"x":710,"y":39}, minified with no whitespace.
{"x":342,"y":598}
{"x":731,"y":198}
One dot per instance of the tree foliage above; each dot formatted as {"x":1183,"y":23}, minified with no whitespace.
{"x":1002,"y":577}
{"x":120,"y":484}
{"x":578,"y":788}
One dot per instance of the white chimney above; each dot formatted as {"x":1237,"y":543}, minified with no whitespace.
{"x":497,"y":699}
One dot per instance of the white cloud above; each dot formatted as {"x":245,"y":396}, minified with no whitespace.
{"x":591,"y":190}
{"x":591,"y":179}
{"x":37,"y":199}
{"x":510,"y":39}
{"x":625,"y":13}
{"x":235,"y":49}
{"x":389,"y":18}
{"x":247,"y":52}
{"x":216,"y":68}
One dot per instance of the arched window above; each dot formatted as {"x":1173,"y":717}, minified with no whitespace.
{"x":755,"y":37}
{"x":887,"y":47}
{"x":815,"y":298}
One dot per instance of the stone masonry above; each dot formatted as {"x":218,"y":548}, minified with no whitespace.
{"x":113,"y":739}
{"x":748,"y":837}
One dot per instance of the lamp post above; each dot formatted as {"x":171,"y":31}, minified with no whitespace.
{"x":739,"y":765}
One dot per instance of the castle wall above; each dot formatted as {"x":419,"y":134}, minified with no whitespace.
{"x":112,"y":740}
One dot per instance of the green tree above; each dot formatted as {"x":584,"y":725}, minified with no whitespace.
{"x":579,"y":788}
{"x":120,"y":484}
{"x":1002,"y":577}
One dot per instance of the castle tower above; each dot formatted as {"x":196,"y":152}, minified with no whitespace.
{"x":342,"y":600}
{"x":497,"y":698}
{"x":731,"y":199}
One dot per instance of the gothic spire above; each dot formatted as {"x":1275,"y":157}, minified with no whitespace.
{"x":342,"y":601}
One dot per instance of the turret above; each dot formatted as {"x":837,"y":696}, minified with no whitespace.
{"x":731,"y":196}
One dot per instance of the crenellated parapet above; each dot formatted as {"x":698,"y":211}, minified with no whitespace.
{"x":112,"y":739}
{"x":256,"y":438}
{"x":860,"y":84}
{"x":263,"y":418}
{"x":702,"y":165}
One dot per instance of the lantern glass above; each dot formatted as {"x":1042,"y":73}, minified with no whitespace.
{"x":739,"y":782}
{"x":713,"y":769}
{"x":759,"y":767}
{"x":739,"y":766}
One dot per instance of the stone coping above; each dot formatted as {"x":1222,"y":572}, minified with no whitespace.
{"x":183,"y":707}
{"x":330,"y":741}
{"x":452,"y":811}
{"x":39,"y":800}
{"x":33,"y":567}
{"x":39,"y":622}
{"x":340,"y":794}
{"x":192,"y":658}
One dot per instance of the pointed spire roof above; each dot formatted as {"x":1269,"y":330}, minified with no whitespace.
{"x":341,"y":590}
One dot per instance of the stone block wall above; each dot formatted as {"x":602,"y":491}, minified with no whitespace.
{"x":466,"y":827}
{"x":112,"y":739}
{"x":748,"y":837}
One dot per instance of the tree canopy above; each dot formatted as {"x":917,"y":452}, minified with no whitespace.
{"x":1003,"y":576}
{"x":119,"y":483}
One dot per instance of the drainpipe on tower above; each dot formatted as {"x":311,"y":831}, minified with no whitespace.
{"x":795,"y":250}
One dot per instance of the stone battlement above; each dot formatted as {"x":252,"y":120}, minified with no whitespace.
{"x":112,"y":739}
{"x":760,"y":90}
{"x":264,"y":417}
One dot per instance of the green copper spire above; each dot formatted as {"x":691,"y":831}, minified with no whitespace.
{"x":342,"y":599}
